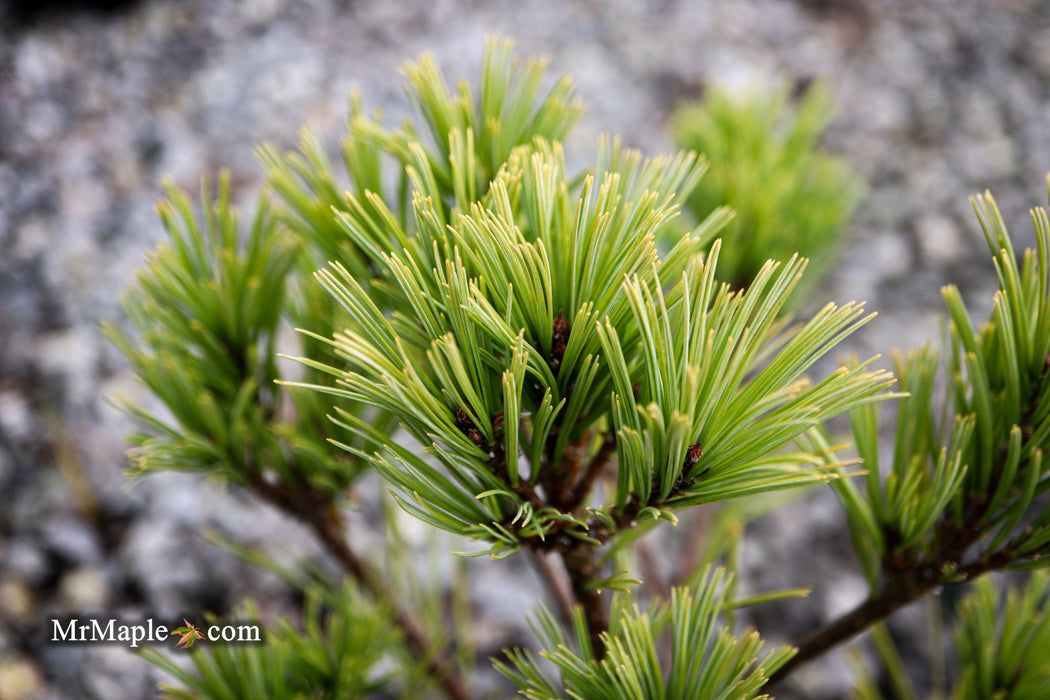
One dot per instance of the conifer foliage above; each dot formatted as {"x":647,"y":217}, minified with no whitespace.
{"x":513,"y":350}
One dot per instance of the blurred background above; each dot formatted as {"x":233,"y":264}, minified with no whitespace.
{"x":935,"y":100}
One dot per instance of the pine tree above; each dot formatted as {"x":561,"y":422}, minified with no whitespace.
{"x":545,"y":362}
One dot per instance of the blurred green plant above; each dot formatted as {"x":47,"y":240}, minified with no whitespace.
{"x":1002,"y":647}
{"x":344,"y":648}
{"x":788,"y":196}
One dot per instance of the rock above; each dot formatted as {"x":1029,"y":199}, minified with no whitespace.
{"x":939,"y":239}
{"x":84,"y":590}
{"x":16,"y":421}
{"x":24,"y":560}
{"x":71,"y":539}
{"x":16,"y":602}
{"x":117,"y":672}
{"x":934,"y":101}
{"x":20,"y":678}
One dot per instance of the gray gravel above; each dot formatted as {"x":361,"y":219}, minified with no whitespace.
{"x":936,"y":100}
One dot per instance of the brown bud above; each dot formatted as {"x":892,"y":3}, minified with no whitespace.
{"x":463,"y":418}
{"x":465,"y":423}
{"x":692,"y":456}
{"x":559,"y":339}
{"x":561,"y":328}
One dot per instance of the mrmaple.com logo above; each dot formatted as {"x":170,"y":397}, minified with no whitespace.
{"x":93,"y":630}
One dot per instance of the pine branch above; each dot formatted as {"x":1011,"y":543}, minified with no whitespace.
{"x":595,"y":468}
{"x":705,"y":661}
{"x":580,"y":563}
{"x":970,"y":477}
{"x":556,"y":583}
{"x":320,"y":515}
{"x":878,"y":606}
{"x":907,"y":579}
{"x":439,"y":666}
{"x":207,"y":312}
{"x":909,"y":585}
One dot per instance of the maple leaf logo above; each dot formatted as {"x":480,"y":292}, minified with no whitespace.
{"x":187,"y":635}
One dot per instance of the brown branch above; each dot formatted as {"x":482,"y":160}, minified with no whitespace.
{"x":653,"y":580}
{"x":908,"y":578}
{"x":877,"y":607}
{"x":893,"y":596}
{"x":909,"y":575}
{"x":558,"y":481}
{"x":595,"y":468}
{"x":579,"y":556}
{"x":579,"y":560}
{"x":326,"y":525}
{"x":524,"y":490}
{"x":316,"y":510}
{"x":556,"y":584}
{"x":698,"y":521}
